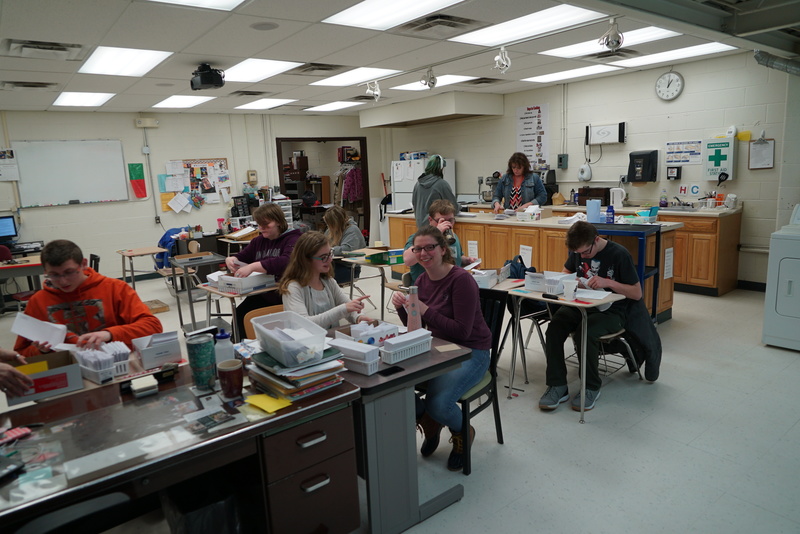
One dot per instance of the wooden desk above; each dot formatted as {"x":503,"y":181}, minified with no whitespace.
{"x":131,"y":253}
{"x":387,"y":444}
{"x":91,"y":423}
{"x":242,"y":243}
{"x":237,"y":336}
{"x":354,"y":261}
{"x":30,"y":267}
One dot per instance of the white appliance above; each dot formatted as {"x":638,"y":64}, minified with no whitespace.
{"x":782,"y":301}
{"x":404,"y":176}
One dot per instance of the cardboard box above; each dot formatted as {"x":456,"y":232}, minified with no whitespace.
{"x":390,"y":257}
{"x":156,"y":350}
{"x":62,"y":376}
{"x":538,"y":281}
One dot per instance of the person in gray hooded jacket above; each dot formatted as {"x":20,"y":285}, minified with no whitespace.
{"x":429,"y":187}
{"x":345,"y":236}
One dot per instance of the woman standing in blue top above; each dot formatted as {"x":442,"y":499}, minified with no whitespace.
{"x":519,"y":187}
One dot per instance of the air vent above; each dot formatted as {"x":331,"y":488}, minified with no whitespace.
{"x":249,"y":93}
{"x":609,"y":56}
{"x":365,"y":98}
{"x":41,"y":50}
{"x":438,"y":27}
{"x":27,"y":86}
{"x":482,"y":82}
{"x":317,"y":69}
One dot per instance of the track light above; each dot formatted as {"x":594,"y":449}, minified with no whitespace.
{"x":501,"y":61}
{"x":612,"y":39}
{"x":374,"y":89}
{"x":429,"y":80}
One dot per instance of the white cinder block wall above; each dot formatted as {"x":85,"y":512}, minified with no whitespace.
{"x":732,"y":90}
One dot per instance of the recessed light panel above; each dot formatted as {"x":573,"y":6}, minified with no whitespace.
{"x":221,"y":5}
{"x":441,"y":81}
{"x":541,"y":22}
{"x":266,"y":103}
{"x":82,"y":99}
{"x":382,"y":15}
{"x":574,"y":73}
{"x":254,"y":70}
{"x":632,"y":38}
{"x":355,"y":76}
{"x":179,"y":101}
{"x":333,"y":106}
{"x":122,"y":61}
{"x":673,"y":55}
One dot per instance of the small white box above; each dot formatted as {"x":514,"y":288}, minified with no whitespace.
{"x":485,"y":279}
{"x":369,"y":333}
{"x":538,"y":281}
{"x":158,"y":349}
{"x":355,"y":350}
{"x":242,"y":286}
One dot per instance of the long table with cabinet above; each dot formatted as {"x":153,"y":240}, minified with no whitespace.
{"x":499,"y":241}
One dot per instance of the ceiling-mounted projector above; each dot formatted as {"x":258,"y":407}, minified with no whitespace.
{"x":207,"y":78}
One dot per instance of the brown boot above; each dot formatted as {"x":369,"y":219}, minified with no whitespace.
{"x":431,"y":430}
{"x":456,"y":460}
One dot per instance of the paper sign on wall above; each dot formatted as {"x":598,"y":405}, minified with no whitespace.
{"x":472,"y":249}
{"x":527,"y":253}
{"x":668,"y":263}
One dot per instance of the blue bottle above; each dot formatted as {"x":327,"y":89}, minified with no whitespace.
{"x":610,"y":215}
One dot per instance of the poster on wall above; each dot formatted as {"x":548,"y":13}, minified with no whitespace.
{"x":9,"y":171}
{"x":684,"y":153}
{"x":532,"y":129}
{"x":206,"y":178}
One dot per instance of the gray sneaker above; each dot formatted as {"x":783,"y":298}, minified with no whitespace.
{"x":554,"y":396}
{"x":591,"y":397}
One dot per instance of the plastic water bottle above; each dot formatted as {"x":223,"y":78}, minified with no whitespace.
{"x":663,"y":201}
{"x":610,"y":215}
{"x":223,"y":349}
{"x":414,"y":316}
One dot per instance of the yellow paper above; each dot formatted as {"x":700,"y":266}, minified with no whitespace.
{"x":32,"y":368}
{"x":448,"y":347}
{"x":743,"y":136}
{"x":267,"y":403}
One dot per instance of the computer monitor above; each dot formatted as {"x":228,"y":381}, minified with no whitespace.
{"x":8,"y":228}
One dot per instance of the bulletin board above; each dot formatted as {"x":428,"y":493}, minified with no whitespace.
{"x":58,"y":173}
{"x":191,"y":183}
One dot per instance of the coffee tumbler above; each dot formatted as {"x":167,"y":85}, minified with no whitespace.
{"x":202,"y":360}
{"x":231,"y":378}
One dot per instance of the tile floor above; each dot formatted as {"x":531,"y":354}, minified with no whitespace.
{"x":710,"y":447}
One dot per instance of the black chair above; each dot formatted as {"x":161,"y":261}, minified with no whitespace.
{"x":493,"y":306}
{"x":94,"y":262}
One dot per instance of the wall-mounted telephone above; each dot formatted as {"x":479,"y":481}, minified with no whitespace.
{"x":252,"y":177}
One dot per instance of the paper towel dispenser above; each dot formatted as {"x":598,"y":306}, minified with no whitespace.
{"x":643,"y":166}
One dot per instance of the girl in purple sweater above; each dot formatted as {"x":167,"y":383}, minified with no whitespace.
{"x":450,"y":309}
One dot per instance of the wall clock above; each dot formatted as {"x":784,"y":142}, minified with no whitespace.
{"x":669,"y":86}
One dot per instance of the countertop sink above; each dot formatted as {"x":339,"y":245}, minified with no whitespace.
{"x":681,"y":208}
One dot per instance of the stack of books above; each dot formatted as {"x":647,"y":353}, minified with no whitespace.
{"x":294,"y":383}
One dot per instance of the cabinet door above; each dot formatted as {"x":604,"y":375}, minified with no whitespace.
{"x":701,"y":270}
{"x":679,"y":256}
{"x":399,"y":232}
{"x":553,"y":250}
{"x":666,"y":286}
{"x":471,"y":232}
{"x":497,"y":247}
{"x":530,"y":238}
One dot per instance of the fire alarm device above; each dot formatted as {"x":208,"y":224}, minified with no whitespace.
{"x":252,"y":177}
{"x":673,"y":173}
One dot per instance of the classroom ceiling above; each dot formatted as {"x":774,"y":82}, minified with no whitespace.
{"x":292,"y":31}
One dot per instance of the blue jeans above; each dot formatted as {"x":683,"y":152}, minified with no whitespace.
{"x":444,"y":391}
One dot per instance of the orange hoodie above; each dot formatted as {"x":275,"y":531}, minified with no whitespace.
{"x":99,"y":303}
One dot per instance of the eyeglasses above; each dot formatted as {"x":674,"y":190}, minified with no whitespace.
{"x":65,"y":275}
{"x":324,"y":257}
{"x":426,"y":248}
{"x":587,"y":251}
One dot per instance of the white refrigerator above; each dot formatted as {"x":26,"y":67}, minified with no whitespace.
{"x":404,"y":176}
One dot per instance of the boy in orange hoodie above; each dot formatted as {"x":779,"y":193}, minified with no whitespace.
{"x":95,"y":309}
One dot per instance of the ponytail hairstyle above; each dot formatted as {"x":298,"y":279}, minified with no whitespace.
{"x":336,"y":218}
{"x":436,"y":165}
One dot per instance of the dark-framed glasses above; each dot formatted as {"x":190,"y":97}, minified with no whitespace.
{"x":426,"y":248}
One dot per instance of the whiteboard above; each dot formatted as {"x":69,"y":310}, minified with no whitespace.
{"x":56,"y":173}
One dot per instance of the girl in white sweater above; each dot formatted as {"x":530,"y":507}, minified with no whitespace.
{"x":308,"y":287}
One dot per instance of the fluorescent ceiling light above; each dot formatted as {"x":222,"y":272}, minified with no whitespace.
{"x":82,"y":99}
{"x":255,"y":70}
{"x":266,"y":103}
{"x":333,"y":106}
{"x":355,"y":76}
{"x":382,"y":15}
{"x":632,"y":38}
{"x":179,"y":101}
{"x":122,"y":61}
{"x":222,"y":5}
{"x":574,"y":73}
{"x":672,"y":55}
{"x":441,"y":81}
{"x":541,"y":22}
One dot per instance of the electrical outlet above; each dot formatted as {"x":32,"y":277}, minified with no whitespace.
{"x":623,"y":178}
{"x":480,"y":180}
{"x":158,"y":219}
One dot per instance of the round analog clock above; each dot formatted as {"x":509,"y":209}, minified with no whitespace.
{"x":669,"y":86}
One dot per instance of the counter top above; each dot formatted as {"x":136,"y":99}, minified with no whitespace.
{"x":548,"y":222}
{"x":702,"y":212}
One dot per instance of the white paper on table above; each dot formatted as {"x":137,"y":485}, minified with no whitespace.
{"x":178,"y":202}
{"x":575,"y":218}
{"x":527,"y":253}
{"x":472,"y":249}
{"x":36,"y":330}
{"x":591,"y":294}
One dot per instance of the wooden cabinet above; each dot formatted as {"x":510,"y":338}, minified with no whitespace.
{"x":399,"y":232}
{"x":528,"y":237}
{"x":498,"y":248}
{"x":312,"y":482}
{"x":553,"y":250}
{"x":467,"y":232}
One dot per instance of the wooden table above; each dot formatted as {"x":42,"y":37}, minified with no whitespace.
{"x":131,"y":253}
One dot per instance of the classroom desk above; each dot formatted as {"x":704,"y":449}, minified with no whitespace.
{"x":237,"y":336}
{"x":131,"y":253}
{"x":386,"y":428}
{"x":186,"y":263}
{"x":30,"y":267}
{"x":356,"y":261}
{"x":95,"y":423}
{"x":242,"y":243}
{"x":519,"y":294}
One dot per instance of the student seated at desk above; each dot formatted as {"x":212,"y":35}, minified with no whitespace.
{"x":308,"y":288}
{"x":95,"y":309}
{"x":519,"y":187}
{"x":268,"y":253}
{"x":450,"y":308}
{"x":12,"y":382}
{"x":606,"y":266}
{"x":344,"y":235}
{"x":442,"y":215}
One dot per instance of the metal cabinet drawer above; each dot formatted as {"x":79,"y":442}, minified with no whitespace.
{"x":307,"y":444}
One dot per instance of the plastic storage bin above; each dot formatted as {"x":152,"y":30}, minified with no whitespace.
{"x":389,"y":356}
{"x":289,"y":352}
{"x":362,"y":367}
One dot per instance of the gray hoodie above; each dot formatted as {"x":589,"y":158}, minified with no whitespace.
{"x":352,"y":239}
{"x":428,"y":188}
